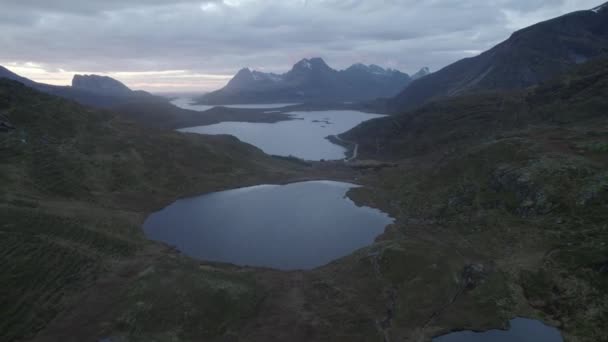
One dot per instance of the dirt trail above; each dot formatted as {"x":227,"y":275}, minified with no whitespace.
{"x":355,"y":148}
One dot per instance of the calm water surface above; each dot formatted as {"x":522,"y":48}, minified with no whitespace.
{"x":295,"y":226}
{"x":521,"y":330}
{"x":186,"y":103}
{"x":303,"y":137}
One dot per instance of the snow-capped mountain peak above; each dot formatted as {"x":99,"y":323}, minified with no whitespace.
{"x":600,"y":8}
{"x":306,"y":64}
{"x":421,"y":73}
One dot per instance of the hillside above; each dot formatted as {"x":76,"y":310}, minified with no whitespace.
{"x":76,"y":184}
{"x":514,"y":182}
{"x":451,"y":122}
{"x":311,"y":80}
{"x":529,"y":56}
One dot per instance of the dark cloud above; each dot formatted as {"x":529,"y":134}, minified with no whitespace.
{"x":87,"y":6}
{"x":202,"y":38}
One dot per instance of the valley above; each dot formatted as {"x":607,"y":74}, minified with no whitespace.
{"x":468,"y":204}
{"x":445,"y":247}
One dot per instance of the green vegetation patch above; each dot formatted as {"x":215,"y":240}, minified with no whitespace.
{"x":188,"y":302}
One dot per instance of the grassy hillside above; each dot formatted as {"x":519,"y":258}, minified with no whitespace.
{"x":76,"y":184}
{"x":515,"y":185}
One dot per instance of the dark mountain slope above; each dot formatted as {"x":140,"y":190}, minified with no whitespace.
{"x":451,"y":122}
{"x":517,"y":177}
{"x":5,"y":73}
{"x":310,"y":80}
{"x":529,"y":56}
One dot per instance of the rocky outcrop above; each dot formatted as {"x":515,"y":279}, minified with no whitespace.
{"x":5,"y":125}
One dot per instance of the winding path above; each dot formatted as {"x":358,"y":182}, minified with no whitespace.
{"x":355,"y":149}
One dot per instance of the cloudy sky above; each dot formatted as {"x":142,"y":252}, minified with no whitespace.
{"x":188,"y":45}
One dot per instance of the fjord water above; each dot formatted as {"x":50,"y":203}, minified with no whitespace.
{"x":187,"y":103}
{"x":521,"y":330}
{"x":303,"y":137}
{"x":294,"y":226}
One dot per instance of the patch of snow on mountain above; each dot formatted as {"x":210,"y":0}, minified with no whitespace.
{"x":275,"y":77}
{"x":600,"y":8}
{"x":306,"y":64}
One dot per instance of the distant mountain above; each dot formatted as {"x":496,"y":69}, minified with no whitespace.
{"x":528,"y":57}
{"x":102,"y":85}
{"x":310,"y":80}
{"x":91,"y":90}
{"x":421,"y":73}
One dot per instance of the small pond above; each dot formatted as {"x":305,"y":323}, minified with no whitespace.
{"x":521,"y":330}
{"x":295,"y":226}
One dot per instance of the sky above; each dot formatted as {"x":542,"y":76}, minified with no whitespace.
{"x":196,"y":46}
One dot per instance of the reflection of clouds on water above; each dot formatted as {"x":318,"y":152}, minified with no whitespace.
{"x":304,"y":136}
{"x":269,"y":225}
{"x":332,"y":183}
{"x":521,"y":330}
{"x":261,"y":105}
{"x":189,"y":103}
{"x":251,"y":189}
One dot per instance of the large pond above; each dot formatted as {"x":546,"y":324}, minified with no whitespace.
{"x":521,"y":330}
{"x":188,"y":103}
{"x":303,"y":137}
{"x":295,"y":226}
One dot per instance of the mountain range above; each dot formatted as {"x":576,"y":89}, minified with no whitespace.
{"x":529,"y":56}
{"x":312,"y":80}
{"x":91,"y":90}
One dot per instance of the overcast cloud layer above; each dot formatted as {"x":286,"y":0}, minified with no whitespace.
{"x":164,"y":45}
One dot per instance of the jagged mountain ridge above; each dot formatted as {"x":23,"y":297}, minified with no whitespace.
{"x":529,"y":56}
{"x":311,"y":80}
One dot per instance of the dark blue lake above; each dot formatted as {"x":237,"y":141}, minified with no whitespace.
{"x":296,"y":226}
{"x":521,"y":330}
